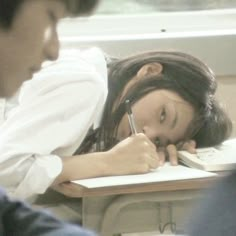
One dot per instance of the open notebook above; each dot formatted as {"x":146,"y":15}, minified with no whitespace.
{"x":162,"y":174}
{"x":220,"y":158}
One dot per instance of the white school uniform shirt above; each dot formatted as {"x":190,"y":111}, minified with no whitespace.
{"x":48,"y":120}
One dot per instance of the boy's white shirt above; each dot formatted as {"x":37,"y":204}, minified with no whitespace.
{"x":48,"y":120}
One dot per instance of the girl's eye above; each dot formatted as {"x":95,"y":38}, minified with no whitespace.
{"x":163,"y":115}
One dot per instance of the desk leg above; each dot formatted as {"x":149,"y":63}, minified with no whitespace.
{"x":115,"y":208}
{"x":114,"y":214}
{"x":169,"y":223}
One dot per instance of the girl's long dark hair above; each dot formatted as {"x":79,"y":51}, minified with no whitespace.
{"x":183,"y":74}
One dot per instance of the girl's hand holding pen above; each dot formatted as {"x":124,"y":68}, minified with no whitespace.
{"x":134,"y":155}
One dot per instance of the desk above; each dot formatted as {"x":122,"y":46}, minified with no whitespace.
{"x":137,"y":208}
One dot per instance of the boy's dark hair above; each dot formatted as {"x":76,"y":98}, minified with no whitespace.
{"x":9,"y":8}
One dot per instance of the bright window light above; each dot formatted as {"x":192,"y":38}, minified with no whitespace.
{"x":204,"y":28}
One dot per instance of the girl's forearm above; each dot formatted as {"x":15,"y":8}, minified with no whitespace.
{"x":84,"y":166}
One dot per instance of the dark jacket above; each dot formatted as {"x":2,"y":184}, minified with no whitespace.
{"x":216,"y":215}
{"x":18,"y":219}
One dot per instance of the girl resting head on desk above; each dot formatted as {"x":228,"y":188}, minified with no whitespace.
{"x":173,"y":102}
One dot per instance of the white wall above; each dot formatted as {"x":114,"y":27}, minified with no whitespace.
{"x":227,"y":94}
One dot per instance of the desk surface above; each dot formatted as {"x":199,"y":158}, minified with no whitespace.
{"x":75,"y":190}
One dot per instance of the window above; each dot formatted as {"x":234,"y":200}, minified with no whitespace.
{"x":204,"y":28}
{"x":148,"y":6}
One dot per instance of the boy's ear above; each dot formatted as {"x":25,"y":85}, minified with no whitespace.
{"x":149,"y":70}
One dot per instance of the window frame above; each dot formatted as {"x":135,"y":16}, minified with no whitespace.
{"x":209,"y":35}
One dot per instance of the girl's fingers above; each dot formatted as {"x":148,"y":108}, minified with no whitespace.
{"x":172,"y":152}
{"x":162,"y":157}
{"x":189,"y":146}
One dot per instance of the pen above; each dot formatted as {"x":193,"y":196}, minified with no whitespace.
{"x":130,"y":117}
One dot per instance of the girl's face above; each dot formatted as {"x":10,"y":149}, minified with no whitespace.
{"x":162,"y":115}
{"x":30,"y":41}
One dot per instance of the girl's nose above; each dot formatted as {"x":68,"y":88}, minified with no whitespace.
{"x":156,"y":134}
{"x":150,"y":132}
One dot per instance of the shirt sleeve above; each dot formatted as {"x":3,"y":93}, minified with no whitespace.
{"x":55,"y":111}
{"x":27,"y":221}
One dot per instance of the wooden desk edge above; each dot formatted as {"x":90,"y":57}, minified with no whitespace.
{"x":77,"y":191}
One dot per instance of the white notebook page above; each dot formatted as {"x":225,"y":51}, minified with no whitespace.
{"x":161,"y":174}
